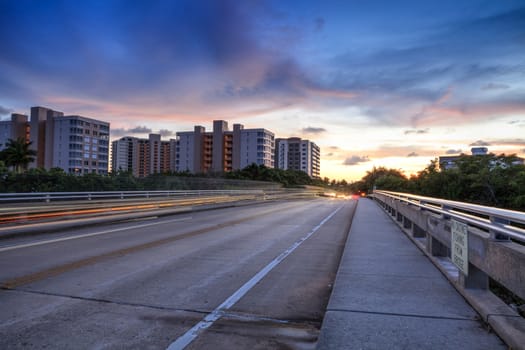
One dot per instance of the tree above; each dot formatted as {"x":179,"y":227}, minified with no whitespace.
{"x":17,"y":154}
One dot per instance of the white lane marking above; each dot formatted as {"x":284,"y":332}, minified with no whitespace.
{"x":185,"y":339}
{"x":89,"y":234}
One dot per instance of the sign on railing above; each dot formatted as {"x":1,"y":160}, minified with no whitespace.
{"x":459,"y":248}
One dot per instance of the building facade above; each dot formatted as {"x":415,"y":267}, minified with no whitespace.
{"x":76,"y":144}
{"x":450,"y":162}
{"x":42,"y":134}
{"x":17,"y":127}
{"x":223,"y":150}
{"x":79,"y":145}
{"x":142,"y":157}
{"x":296,"y":154}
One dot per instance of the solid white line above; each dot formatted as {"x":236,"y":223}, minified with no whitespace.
{"x":89,"y":234}
{"x":208,"y":321}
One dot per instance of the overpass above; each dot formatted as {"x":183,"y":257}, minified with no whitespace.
{"x":265,"y":270}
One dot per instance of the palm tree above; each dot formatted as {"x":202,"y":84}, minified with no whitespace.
{"x":17,"y":154}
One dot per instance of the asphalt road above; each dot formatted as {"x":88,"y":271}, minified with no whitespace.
{"x":256,"y":277}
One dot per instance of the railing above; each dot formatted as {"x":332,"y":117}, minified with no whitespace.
{"x":30,"y":208}
{"x":62,"y":196}
{"x":488,"y":244}
{"x":501,"y":223}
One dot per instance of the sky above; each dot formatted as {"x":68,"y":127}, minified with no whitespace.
{"x":373,"y":83}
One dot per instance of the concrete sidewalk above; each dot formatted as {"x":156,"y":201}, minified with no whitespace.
{"x":388,"y":295}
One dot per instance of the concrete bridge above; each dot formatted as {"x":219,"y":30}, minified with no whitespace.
{"x":262,"y":271}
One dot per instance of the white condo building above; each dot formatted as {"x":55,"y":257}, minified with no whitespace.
{"x":297,"y":154}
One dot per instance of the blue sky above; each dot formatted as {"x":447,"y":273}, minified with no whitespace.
{"x":374,"y":83}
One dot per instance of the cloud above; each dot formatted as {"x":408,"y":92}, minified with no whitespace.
{"x":354,"y":160}
{"x":131,"y":131}
{"x":335,"y":148}
{"x":329,"y":154}
{"x":140,"y":130}
{"x":166,"y":133}
{"x":416,"y":86}
{"x":453,"y":151}
{"x":5,"y":111}
{"x":495,"y":86}
{"x":412,"y":154}
{"x":519,"y":123}
{"x":313,"y":130}
{"x":507,"y":142}
{"x":417,"y":131}
{"x":480,"y":143}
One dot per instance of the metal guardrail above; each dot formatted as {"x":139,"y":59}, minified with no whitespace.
{"x":62,"y":196}
{"x":499,"y":222}
{"x":23,"y":208}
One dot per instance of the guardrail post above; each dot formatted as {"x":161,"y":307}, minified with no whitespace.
{"x":399,"y":217}
{"x":494,"y":234}
{"x":89,"y":196}
{"x":48,"y":198}
{"x":445,"y":208}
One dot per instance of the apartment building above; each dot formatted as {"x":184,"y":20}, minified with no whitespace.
{"x":17,"y":127}
{"x":142,"y":157}
{"x":297,"y":154}
{"x":78,"y":144}
{"x":223,"y":150}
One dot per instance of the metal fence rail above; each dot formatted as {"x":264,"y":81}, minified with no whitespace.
{"x":499,"y":222}
{"x":62,"y":196}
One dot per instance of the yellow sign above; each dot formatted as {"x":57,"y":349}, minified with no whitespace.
{"x":459,"y":246}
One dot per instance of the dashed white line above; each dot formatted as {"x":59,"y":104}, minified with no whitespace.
{"x":208,"y":321}
{"x":89,"y":234}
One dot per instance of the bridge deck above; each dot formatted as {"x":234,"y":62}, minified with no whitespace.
{"x":388,"y":295}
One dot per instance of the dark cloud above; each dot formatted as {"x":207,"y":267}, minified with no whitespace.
{"x":412,"y":154}
{"x":166,"y":133}
{"x":480,"y":143}
{"x":140,"y":130}
{"x":335,"y":148}
{"x":495,"y":86}
{"x":417,"y":131}
{"x":453,"y":151}
{"x":329,"y":154}
{"x":354,"y":160}
{"x":418,"y":76}
{"x":119,"y":132}
{"x":313,"y":130}
{"x":5,"y":111}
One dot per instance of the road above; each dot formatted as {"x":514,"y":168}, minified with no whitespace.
{"x":255,"y":277}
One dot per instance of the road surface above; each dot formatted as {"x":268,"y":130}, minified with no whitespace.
{"x":256,"y":277}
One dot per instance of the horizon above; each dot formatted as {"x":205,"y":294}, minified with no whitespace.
{"x":374,"y":84}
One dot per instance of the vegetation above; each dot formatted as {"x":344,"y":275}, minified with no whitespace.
{"x":493,"y":180}
{"x":56,"y":180}
{"x":17,"y":154}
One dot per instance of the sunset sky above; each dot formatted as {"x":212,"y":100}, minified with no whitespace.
{"x":373,"y":83}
